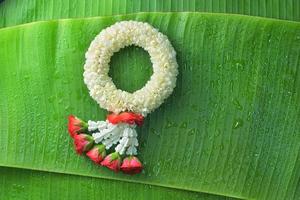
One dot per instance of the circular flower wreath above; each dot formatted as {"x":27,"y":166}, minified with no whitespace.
{"x":127,"y":109}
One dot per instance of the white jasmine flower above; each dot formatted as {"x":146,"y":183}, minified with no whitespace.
{"x":92,"y":126}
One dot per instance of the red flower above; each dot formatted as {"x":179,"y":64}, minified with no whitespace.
{"x":126,"y":117}
{"x":97,"y":153}
{"x":76,"y":126}
{"x":131,"y":165}
{"x":83,"y":143}
{"x":112,"y":161}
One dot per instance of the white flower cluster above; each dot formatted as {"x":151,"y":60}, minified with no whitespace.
{"x":111,"y":40}
{"x":123,"y":135}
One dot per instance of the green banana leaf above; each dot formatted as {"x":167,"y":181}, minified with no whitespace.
{"x":30,"y":186}
{"x":14,"y":12}
{"x":231,"y":127}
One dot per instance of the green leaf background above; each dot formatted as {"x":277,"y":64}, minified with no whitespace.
{"x":22,"y":11}
{"x":230,"y":129}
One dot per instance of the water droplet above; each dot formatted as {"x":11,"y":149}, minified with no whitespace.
{"x":239,"y":66}
{"x":249,"y":116}
{"x":67,"y":107}
{"x":143,"y":144}
{"x":56,"y":74}
{"x":155,"y":132}
{"x":231,"y":85}
{"x":183,"y":125}
{"x":213,"y":84}
{"x":191,"y":132}
{"x":221,"y":147}
{"x":237,"y":124}
{"x":170,"y":125}
{"x":156,"y":169}
{"x":217,"y":133}
{"x":237,"y":104}
{"x":51,"y":99}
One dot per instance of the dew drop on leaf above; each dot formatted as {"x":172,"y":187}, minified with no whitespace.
{"x":156,"y":169}
{"x":237,"y":123}
{"x":237,"y":104}
{"x":191,"y":132}
{"x":155,"y":132}
{"x":170,"y":125}
{"x":183,"y":125}
{"x":217,"y":133}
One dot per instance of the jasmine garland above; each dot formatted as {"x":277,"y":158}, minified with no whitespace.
{"x":128,"y":110}
{"x":111,"y":40}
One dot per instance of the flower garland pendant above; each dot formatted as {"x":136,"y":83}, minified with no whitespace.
{"x":128,"y":110}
